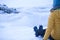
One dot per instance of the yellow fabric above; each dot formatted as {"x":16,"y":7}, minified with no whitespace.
{"x":53,"y":27}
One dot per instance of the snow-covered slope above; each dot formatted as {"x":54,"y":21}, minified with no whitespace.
{"x":18,"y":33}
{"x":20,"y":26}
{"x":27,"y":17}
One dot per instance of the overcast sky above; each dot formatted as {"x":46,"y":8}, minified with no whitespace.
{"x":26,"y":3}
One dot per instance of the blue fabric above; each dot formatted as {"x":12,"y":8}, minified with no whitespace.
{"x":56,"y":3}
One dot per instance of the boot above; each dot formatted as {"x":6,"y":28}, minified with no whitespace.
{"x":36,"y":31}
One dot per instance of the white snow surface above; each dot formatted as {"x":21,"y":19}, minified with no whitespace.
{"x":20,"y":26}
{"x":18,"y":33}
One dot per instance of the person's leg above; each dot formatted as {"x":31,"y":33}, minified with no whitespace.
{"x":39,"y":31}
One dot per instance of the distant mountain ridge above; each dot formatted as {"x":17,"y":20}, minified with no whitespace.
{"x":5,"y":9}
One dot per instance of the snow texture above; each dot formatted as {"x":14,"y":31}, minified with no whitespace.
{"x":20,"y":26}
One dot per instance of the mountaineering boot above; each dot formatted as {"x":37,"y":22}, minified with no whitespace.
{"x":40,"y":31}
{"x":36,"y":31}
